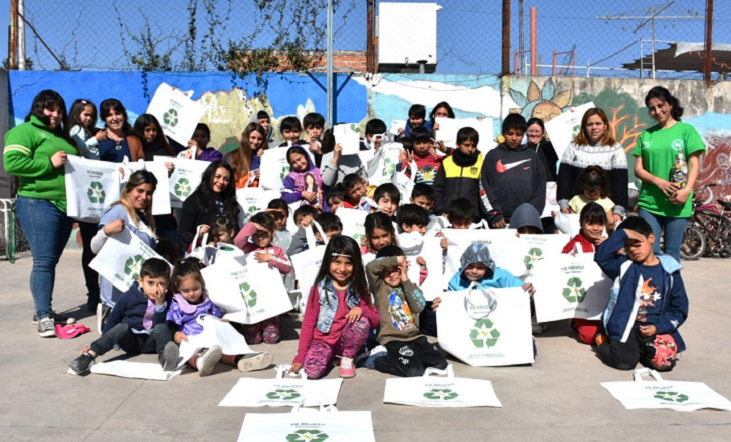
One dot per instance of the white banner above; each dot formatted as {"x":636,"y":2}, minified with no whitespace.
{"x":486,"y":328}
{"x":91,"y":186}
{"x":178,"y":115}
{"x":306,"y":425}
{"x":121,"y":259}
{"x":563,"y":128}
{"x":248,"y":291}
{"x":283,"y":391}
{"x":441,"y":392}
{"x":569,"y":287}
{"x":348,"y":136}
{"x":273,"y":168}
{"x":675,"y":395}
{"x":186,"y":177}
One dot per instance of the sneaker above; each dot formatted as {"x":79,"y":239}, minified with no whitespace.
{"x":103,"y":312}
{"x":169,"y":356}
{"x":58,"y":319}
{"x":347,"y":368}
{"x":537,"y":328}
{"x":254,"y":362}
{"x":368,"y":359}
{"x":46,"y":328}
{"x":208,"y":360}
{"x":82,"y":363}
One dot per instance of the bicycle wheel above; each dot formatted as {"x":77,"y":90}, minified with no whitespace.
{"x":694,"y":243}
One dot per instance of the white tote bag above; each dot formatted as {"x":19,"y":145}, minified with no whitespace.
{"x":177,"y":113}
{"x":430,"y":249}
{"x":348,"y":137}
{"x":563,"y":128}
{"x":151,"y":371}
{"x":215,"y":332}
{"x":442,"y":392}
{"x":283,"y":391}
{"x":486,"y":328}
{"x":91,"y":186}
{"x":382,"y":167}
{"x":252,"y":200}
{"x":568,"y":223}
{"x":505,"y":249}
{"x":675,"y":395}
{"x":161,"y":197}
{"x":273,"y":168}
{"x":308,"y":425}
{"x":248,"y":291}
{"x":185,"y":179}
{"x":538,"y":248}
{"x":569,"y":287}
{"x":307,"y":265}
{"x":404,"y":183}
{"x":353,"y":223}
{"x":121,"y":259}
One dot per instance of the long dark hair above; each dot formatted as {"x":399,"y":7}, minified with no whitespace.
{"x":594,"y":178}
{"x":50,"y":99}
{"x":663,"y":94}
{"x":112,"y":103}
{"x":141,"y":123}
{"x":445,"y":105}
{"x":379,"y":220}
{"x":205,"y":197}
{"x":344,"y":245}
{"x":77,"y":107}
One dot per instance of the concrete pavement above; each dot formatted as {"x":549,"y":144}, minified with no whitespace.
{"x":558,"y":398}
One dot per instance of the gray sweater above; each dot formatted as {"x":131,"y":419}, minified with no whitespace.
{"x":347,"y":164}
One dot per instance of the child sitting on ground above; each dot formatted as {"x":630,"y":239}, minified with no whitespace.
{"x":648,"y":302}
{"x":191,"y":301}
{"x":331,"y":226}
{"x":593,"y":186}
{"x":339,"y":313}
{"x":405,"y":351}
{"x":137,"y":322}
{"x":303,"y":184}
{"x":261,"y":232}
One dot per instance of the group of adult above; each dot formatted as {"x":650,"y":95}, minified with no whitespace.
{"x":37,"y":150}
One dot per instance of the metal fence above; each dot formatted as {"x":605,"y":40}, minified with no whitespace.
{"x":573,"y":37}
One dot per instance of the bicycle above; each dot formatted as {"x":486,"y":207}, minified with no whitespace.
{"x":716,"y":224}
{"x":694,"y":237}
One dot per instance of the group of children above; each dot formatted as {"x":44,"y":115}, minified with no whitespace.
{"x":363,"y":290}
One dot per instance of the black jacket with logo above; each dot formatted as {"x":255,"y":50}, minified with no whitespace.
{"x":511,"y":177}
{"x":455,"y":180}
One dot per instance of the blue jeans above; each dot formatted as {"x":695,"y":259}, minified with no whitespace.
{"x":47,"y":230}
{"x":674,"y":231}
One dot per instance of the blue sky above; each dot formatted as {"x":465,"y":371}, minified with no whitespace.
{"x":469,"y":31}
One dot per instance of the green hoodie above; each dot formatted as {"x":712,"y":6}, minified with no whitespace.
{"x":27,"y":155}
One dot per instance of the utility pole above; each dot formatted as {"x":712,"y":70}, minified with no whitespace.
{"x":21,"y":35}
{"x":521,"y":38}
{"x":330,"y":91}
{"x":533,"y":40}
{"x":506,"y":38}
{"x":13,"y":37}
{"x":708,"y":53}
{"x":371,"y":56}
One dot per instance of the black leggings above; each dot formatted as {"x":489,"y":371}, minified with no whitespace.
{"x":91,"y":277}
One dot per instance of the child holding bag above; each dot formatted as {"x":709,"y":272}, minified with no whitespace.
{"x":304,"y":182}
{"x":257,"y":237}
{"x":191,"y":301}
{"x":339,"y":313}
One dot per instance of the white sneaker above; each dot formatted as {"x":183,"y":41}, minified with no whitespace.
{"x":254,"y":362}
{"x":46,"y":328}
{"x":208,"y":360}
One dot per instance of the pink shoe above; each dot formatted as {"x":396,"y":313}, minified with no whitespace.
{"x":347,"y":368}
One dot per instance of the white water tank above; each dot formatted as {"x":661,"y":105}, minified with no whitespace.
{"x":407,"y":36}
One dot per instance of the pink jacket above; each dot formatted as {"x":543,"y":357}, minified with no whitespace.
{"x":279,"y":259}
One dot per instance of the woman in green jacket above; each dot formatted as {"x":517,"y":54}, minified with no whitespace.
{"x":36,"y":152}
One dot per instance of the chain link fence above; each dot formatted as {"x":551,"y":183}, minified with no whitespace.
{"x":574,"y":37}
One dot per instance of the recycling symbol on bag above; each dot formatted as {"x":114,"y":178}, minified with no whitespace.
{"x":671,"y":396}
{"x":248,"y":294}
{"x":357,"y":237}
{"x":133,"y":265}
{"x":575,"y":131}
{"x":484,"y":334}
{"x":170,"y":117}
{"x":534,"y":254}
{"x":96,"y":193}
{"x":437,"y":394}
{"x":283,"y":394}
{"x":574,"y":292}
{"x":389,"y":167}
{"x":284,"y":173}
{"x":250,"y":211}
{"x":182,"y":188}
{"x":354,"y":127}
{"x":307,"y":436}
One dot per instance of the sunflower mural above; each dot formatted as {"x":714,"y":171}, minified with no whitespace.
{"x":540,"y":103}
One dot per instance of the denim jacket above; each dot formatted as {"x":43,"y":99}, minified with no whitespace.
{"x":329,"y":303}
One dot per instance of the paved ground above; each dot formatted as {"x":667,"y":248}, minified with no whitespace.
{"x":559,"y":398}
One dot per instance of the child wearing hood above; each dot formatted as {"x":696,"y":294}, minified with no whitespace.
{"x":477,"y":266}
{"x":304,"y":182}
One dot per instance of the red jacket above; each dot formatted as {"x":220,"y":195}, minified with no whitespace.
{"x":586,"y":245}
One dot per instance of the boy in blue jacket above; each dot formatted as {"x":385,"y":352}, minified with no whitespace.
{"x":648,"y":302}
{"x":138,"y":321}
{"x":477,"y":266}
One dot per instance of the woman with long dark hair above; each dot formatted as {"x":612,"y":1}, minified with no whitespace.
{"x":214,"y":197}
{"x":36,"y":152}
{"x":666,"y":202}
{"x":120,"y":141}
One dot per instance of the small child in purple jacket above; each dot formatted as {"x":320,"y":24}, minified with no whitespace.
{"x":191,"y":301}
{"x":304,"y":182}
